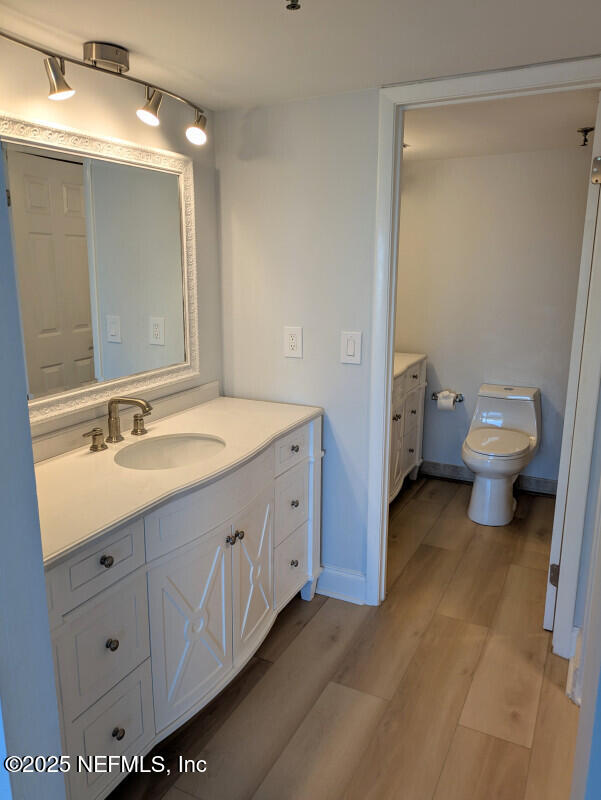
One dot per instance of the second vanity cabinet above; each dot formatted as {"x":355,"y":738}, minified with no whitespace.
{"x":151,"y":621}
{"x":406,"y":430}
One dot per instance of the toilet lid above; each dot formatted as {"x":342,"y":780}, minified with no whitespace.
{"x":498,"y":442}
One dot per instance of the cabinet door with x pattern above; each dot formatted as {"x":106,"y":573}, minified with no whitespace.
{"x":252,"y":577}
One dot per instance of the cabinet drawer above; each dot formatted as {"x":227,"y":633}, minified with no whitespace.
{"x":96,"y":567}
{"x":415,"y":375}
{"x":414,"y":405}
{"x":183,"y":520}
{"x":291,"y":566}
{"x":121,"y":723}
{"x":410,"y":455}
{"x":292,"y":449}
{"x":102,"y":642}
{"x":291,"y":501}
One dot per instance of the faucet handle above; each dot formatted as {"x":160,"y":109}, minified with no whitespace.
{"x":97,"y":435}
{"x":139,"y":429}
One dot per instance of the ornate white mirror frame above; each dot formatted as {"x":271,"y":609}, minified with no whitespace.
{"x":53,"y":409}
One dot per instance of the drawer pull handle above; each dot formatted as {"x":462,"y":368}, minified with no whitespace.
{"x":294,"y":562}
{"x":295,"y":448}
{"x":411,"y":450}
{"x":230,"y":539}
{"x":294,"y":503}
{"x":118,"y":733}
{"x":396,"y":417}
{"x":112,"y":645}
{"x":107,"y":561}
{"x":414,"y":411}
{"x":239,"y":535}
{"x":415,"y":377}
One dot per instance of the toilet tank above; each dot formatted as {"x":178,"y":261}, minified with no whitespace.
{"x":515,"y":407}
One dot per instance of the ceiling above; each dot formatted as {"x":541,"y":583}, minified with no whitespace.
{"x":225,"y":54}
{"x":510,"y":125}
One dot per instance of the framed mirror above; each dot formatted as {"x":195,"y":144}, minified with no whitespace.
{"x":103,"y":242}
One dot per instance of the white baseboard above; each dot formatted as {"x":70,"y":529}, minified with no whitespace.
{"x":457,"y":472}
{"x":343,"y":584}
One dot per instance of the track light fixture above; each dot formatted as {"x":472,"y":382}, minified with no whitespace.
{"x":195,"y":133}
{"x":112,"y":60}
{"x":59,"y":88}
{"x":149,"y":113}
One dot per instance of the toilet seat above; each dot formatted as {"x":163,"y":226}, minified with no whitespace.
{"x":499,"y":442}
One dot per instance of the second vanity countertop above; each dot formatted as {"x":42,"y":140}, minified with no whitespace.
{"x":82,"y":494}
{"x":404,"y":360}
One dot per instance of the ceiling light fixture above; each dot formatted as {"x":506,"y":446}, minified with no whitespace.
{"x":59,"y":88}
{"x":195,"y":133}
{"x":293,"y":5}
{"x":111,"y":59}
{"x":149,"y":113}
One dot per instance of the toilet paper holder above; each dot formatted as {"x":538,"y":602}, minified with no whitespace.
{"x":458,"y":399}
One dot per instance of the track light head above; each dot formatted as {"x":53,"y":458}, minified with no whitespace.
{"x":196,"y":133}
{"x":59,"y":88}
{"x":149,"y":113}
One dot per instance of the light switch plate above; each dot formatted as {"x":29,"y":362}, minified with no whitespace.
{"x":113,"y":328}
{"x":293,"y":342}
{"x":350,"y":347}
{"x":156,"y":330}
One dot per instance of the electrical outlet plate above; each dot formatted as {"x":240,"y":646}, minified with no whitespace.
{"x":156,"y":330}
{"x":350,"y":347}
{"x":293,"y":342}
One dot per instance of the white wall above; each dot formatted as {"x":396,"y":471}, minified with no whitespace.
{"x":488,"y":267}
{"x":137,"y":253}
{"x":298,"y":189}
{"x":105,"y":106}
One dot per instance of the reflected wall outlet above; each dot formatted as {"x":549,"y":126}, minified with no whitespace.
{"x":293,"y":342}
{"x":156,"y":330}
{"x":113,"y":328}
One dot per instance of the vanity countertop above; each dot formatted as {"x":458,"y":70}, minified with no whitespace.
{"x":404,"y":360}
{"x":82,"y":494}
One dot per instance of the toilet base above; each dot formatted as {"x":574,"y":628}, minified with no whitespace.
{"x":492,"y":501}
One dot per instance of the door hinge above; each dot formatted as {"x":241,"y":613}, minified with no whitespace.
{"x":554,"y":575}
{"x":8,"y":197}
{"x":596,"y":171}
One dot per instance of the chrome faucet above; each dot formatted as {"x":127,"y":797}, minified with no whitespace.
{"x":114,"y":420}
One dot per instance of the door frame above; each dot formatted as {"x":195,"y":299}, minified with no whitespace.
{"x":551,"y":77}
{"x":537,"y":79}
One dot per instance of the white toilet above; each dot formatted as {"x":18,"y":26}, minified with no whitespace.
{"x":503,"y":437}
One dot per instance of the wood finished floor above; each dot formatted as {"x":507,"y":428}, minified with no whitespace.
{"x":447,"y":691}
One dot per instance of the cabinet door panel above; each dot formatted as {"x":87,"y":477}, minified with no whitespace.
{"x":252,"y":575}
{"x":190,"y":624}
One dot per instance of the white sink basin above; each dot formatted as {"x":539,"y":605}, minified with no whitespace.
{"x":169,"y":452}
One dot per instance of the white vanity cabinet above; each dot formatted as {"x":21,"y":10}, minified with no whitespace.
{"x":210,"y":607}
{"x":151,"y":620}
{"x":406,"y":430}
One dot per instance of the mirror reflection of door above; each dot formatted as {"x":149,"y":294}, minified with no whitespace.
{"x":49,"y":227}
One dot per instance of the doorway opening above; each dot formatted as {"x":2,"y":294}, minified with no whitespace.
{"x":494,"y":198}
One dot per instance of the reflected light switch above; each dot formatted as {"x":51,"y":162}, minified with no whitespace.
{"x":350,"y":347}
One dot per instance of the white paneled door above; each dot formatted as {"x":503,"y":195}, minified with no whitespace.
{"x":190,"y":624}
{"x":49,"y":226}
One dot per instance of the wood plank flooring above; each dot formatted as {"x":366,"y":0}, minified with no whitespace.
{"x":447,"y":691}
